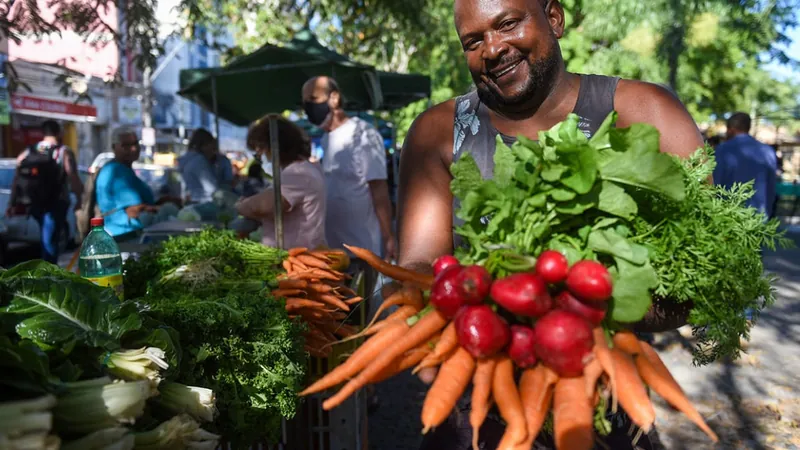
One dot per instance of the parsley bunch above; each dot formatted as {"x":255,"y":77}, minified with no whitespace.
{"x":615,"y":198}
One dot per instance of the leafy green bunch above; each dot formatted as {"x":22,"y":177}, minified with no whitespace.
{"x":236,"y":339}
{"x":616,"y":199}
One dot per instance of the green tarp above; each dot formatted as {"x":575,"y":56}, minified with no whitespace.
{"x":270,"y":80}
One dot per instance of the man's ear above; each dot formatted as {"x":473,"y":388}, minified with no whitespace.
{"x":555,"y":16}
{"x":335,"y":100}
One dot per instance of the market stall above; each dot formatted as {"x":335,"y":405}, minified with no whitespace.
{"x":209,"y":348}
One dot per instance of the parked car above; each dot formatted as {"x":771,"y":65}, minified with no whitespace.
{"x":25,"y":228}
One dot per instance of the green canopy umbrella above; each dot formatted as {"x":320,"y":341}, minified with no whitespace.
{"x":270,"y":80}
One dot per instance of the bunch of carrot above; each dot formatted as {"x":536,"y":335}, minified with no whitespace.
{"x":316,"y":291}
{"x":418,"y":336}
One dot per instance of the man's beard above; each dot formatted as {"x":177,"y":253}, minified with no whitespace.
{"x":541,"y":77}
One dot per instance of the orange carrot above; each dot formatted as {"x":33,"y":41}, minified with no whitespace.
{"x":506,"y":395}
{"x":536,"y":393}
{"x":430,"y":324}
{"x":298,"y":263}
{"x":288,"y":293}
{"x":402,"y":313}
{"x":344,"y":290}
{"x":657,"y":376}
{"x":481,"y":395}
{"x":627,"y":342}
{"x":292,"y":284}
{"x":359,"y":359}
{"x":632,"y":393}
{"x":322,"y":288}
{"x":326,"y":274}
{"x":447,"y":343}
{"x":312,"y":261}
{"x":354,"y":300}
{"x":572,"y":415}
{"x":297,"y":303}
{"x":322,"y":257}
{"x":398,"y":273}
{"x":331,"y":300}
{"x":406,"y":296}
{"x":450,"y":383}
{"x":603,"y":354}
{"x":408,"y":360}
{"x":297,"y":251}
{"x":592,"y":373}
{"x":313,"y":314}
{"x":287,"y":266}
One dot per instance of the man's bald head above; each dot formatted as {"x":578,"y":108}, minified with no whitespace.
{"x":319,"y":89}
{"x":739,"y":123}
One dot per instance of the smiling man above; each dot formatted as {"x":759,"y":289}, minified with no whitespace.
{"x":522,"y":87}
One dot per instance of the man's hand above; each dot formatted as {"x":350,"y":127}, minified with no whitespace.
{"x":133,"y":212}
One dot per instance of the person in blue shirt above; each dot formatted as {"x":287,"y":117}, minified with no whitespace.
{"x":742,"y":159}
{"x":121,"y":195}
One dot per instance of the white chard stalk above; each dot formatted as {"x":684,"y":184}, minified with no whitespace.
{"x":145,"y":363}
{"x":198,"y":402}
{"x":91,"y":406}
{"x":180,"y":432}
{"x":118,"y":438}
{"x":28,"y":416}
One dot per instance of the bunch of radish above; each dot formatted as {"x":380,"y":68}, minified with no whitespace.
{"x":552,"y":310}
{"x":548,"y":322}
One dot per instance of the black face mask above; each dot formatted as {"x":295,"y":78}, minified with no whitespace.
{"x":317,"y":112}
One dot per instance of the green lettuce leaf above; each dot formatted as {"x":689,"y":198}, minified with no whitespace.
{"x":466,"y":176}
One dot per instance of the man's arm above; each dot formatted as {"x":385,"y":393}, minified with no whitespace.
{"x":639,"y":102}
{"x":379,"y":190}
{"x":425,"y":204}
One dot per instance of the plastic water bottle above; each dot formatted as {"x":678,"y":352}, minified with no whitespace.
{"x":100,"y":260}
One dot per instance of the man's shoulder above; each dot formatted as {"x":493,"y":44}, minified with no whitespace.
{"x":643,"y":94}
{"x":436,"y":120}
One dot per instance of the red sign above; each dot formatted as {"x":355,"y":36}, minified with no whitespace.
{"x":25,"y":102}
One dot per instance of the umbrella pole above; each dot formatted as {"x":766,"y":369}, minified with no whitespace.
{"x":274,"y":147}
{"x":214,"y":105}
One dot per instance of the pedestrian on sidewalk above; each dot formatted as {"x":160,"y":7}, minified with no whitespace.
{"x":46,"y":173}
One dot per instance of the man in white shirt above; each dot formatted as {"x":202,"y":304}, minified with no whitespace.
{"x":359,"y":210}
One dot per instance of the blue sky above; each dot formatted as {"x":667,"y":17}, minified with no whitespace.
{"x":784,"y":72}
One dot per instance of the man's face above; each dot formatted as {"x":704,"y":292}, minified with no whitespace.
{"x":319,"y":102}
{"x":511,"y":47}
{"x":128,"y":148}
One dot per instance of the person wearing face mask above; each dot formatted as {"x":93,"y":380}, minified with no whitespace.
{"x":302,"y":187}
{"x":197,"y":168}
{"x":354,"y":161}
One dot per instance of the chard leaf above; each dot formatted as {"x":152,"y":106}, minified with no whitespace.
{"x":582,"y":170}
{"x":553,"y":172}
{"x":631,"y":298}
{"x":504,"y":163}
{"x":466,"y":176}
{"x":614,"y":200}
{"x":611,"y":243}
{"x":601,"y":138}
{"x":646,"y":169}
{"x":61,"y":313}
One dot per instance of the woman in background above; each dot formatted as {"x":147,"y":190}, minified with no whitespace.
{"x":302,"y":187}
{"x":197,"y":167}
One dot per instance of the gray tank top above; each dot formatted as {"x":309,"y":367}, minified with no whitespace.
{"x":474,"y":133}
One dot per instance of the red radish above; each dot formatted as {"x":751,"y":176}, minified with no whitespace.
{"x":524,"y":294}
{"x":590,"y":281}
{"x":443,"y":262}
{"x":521,"y":349}
{"x":552,"y":266}
{"x":481,"y":331}
{"x":474,"y":282}
{"x":594,"y":313}
{"x":563,"y":341}
{"x":445,"y":293}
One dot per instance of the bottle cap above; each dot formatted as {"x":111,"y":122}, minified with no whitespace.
{"x":96,"y":222}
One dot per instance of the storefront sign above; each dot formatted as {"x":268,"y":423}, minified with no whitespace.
{"x":129,"y":110}
{"x":32,"y":105}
